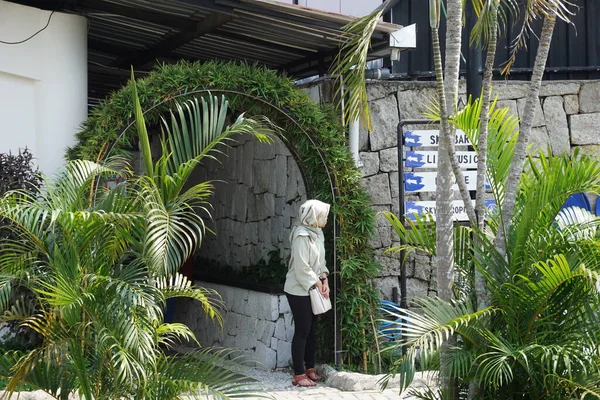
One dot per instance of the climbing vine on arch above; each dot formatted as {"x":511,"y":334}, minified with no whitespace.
{"x":351,"y":207}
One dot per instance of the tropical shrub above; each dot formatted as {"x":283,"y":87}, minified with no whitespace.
{"x":17,"y":171}
{"x":101,"y":265}
{"x":538,"y":337}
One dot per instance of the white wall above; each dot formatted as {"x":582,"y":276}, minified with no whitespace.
{"x":43,"y":82}
{"x":356,"y":8}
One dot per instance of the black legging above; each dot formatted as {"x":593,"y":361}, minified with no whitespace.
{"x":303,"y":344}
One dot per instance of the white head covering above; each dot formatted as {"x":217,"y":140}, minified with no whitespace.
{"x":311,"y":215}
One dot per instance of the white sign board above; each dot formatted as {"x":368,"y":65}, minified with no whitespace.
{"x":427,"y":181}
{"x":428,"y":159}
{"x":431,"y":138}
{"x":459,"y":212}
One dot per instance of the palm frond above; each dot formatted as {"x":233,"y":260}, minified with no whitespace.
{"x":348,"y":68}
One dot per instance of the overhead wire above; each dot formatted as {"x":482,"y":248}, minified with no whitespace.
{"x":39,"y":31}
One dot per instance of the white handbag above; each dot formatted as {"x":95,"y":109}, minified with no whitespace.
{"x":318,"y":303}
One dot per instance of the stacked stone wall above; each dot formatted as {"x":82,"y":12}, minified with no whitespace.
{"x":258,"y":324}
{"x":567,"y":117}
{"x":258,"y":190}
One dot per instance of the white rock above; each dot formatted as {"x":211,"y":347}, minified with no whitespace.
{"x":265,"y":357}
{"x":538,"y":116}
{"x":556,"y":124}
{"x":388,"y":160}
{"x":550,"y":88}
{"x":571,"y":104}
{"x":585,"y":128}
{"x":370,"y":161}
{"x":384,"y":114}
{"x":589,"y":97}
{"x":284,"y":354}
{"x":378,"y":187}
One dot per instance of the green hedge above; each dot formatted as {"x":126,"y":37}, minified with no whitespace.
{"x":358,"y":299}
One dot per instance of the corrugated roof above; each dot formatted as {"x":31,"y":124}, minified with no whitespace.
{"x":298,"y":40}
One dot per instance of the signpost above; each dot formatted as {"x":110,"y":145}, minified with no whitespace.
{"x":459,"y":212}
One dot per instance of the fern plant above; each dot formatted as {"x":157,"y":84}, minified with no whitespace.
{"x":101,"y":265}
{"x":538,"y":338}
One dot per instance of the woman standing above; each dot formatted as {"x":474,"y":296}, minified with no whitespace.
{"x":306,"y":268}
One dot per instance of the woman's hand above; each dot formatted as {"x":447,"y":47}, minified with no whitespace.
{"x":325,"y":289}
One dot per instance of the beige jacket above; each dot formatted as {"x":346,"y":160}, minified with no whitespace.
{"x":307,"y":263}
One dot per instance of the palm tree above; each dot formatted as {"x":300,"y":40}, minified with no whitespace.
{"x":100,"y":265}
{"x":538,"y":336}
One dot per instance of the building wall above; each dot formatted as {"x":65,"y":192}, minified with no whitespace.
{"x":347,"y":7}
{"x":567,"y":117}
{"x":43,"y":82}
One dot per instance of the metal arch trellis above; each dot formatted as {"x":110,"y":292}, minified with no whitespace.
{"x":331,"y":179}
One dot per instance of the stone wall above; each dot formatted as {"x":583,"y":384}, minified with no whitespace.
{"x":567,"y":116}
{"x":258,"y":190}
{"x":259,"y":324}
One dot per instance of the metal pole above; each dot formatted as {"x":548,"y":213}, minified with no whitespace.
{"x":402,"y":211}
{"x":474,"y":61}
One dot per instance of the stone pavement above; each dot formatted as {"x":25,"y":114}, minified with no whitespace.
{"x":322,"y":392}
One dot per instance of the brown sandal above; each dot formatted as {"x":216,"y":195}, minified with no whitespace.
{"x":312,"y":375}
{"x":302,"y":381}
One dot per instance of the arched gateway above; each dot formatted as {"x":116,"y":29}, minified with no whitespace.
{"x":315,"y":138}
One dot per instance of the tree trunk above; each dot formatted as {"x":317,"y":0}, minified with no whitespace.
{"x":516,"y":168}
{"x":444,"y":260}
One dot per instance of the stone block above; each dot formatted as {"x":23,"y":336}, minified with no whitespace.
{"x":241,"y":194}
{"x":363,"y":138}
{"x":589,"y":97}
{"x":384,"y":114}
{"x":412,"y":104}
{"x":264,"y":233}
{"x":251,"y":208}
{"x":263,"y":306}
{"x":386,"y":286}
{"x":390,"y":263}
{"x":280,"y":329}
{"x":291,"y":184}
{"x":265,"y":206}
{"x":513,"y":109}
{"x":571,"y":104}
{"x":378,"y":187}
{"x":379,"y":89}
{"x":265,"y":357}
{"x":423,"y":267}
{"x":284,"y":354}
{"x":416,"y":288}
{"x":284,"y":306}
{"x":370,"y":163}
{"x":394,"y":185}
{"x":289,"y":327}
{"x":247,"y":175}
{"x":585,"y":128}
{"x":251,"y":229}
{"x":264,"y":176}
{"x":388,"y":160}
{"x":280,"y":175}
{"x":592,"y":150}
{"x":507,"y":90}
{"x":538,"y":115}
{"x":264,"y":151}
{"x":539,"y":140}
{"x":238,"y":166}
{"x":238,"y":303}
{"x":556,"y":124}
{"x":267,"y":331}
{"x":550,"y":88}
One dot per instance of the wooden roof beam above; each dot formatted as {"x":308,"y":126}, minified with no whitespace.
{"x":167,"y":46}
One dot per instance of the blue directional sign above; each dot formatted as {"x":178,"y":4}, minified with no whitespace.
{"x":459,"y":211}
{"x":429,"y":159}
{"x":430,"y":138}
